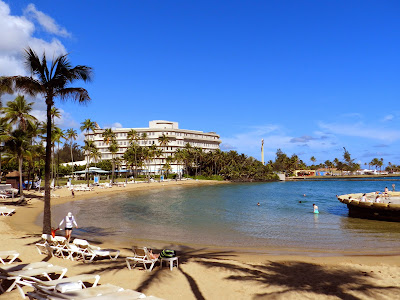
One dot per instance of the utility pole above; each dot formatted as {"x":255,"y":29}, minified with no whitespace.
{"x":262,"y":151}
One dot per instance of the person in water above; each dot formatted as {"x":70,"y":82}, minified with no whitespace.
{"x":258,"y":203}
{"x":315,"y":209}
{"x":69,"y":222}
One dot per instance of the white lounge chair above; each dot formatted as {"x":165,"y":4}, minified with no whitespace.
{"x":5,"y":211}
{"x":107,"y":291}
{"x":26,"y":277}
{"x":80,"y":280}
{"x":6,"y":254}
{"x":141,"y":256}
{"x":91,"y":252}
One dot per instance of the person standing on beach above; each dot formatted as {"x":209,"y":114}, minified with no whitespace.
{"x":69,"y":222}
{"x":393,"y":186}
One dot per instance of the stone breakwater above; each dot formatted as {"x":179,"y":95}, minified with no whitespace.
{"x":387,"y":210}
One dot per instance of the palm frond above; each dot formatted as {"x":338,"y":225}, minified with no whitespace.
{"x":80,"y":95}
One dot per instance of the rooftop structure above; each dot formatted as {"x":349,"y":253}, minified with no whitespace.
{"x":178,"y":138}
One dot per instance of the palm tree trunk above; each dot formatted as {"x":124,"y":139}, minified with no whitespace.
{"x":0,"y":168}
{"x":87,"y":169}
{"x":21,"y":190}
{"x":72,"y":161}
{"x":47,"y":208}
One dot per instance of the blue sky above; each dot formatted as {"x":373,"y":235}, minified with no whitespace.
{"x":310,"y":77}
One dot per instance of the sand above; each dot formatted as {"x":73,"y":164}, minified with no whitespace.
{"x":213,"y":273}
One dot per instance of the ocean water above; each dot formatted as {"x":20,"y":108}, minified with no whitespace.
{"x":228,"y":215}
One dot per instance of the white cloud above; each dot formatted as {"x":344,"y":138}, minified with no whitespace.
{"x":361,"y":130}
{"x":113,"y":126}
{"x":388,"y":118}
{"x":16,"y":34}
{"x":47,"y":22}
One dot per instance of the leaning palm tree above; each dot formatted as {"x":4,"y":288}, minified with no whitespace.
{"x":71,"y":135}
{"x":51,"y":82}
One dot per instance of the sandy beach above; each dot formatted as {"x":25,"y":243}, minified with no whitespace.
{"x":210,"y":273}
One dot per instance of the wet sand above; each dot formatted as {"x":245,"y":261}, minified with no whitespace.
{"x":213,"y":273}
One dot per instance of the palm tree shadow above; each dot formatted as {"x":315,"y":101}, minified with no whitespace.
{"x":304,"y":277}
{"x":186,"y":255}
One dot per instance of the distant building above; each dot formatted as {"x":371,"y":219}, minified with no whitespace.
{"x":178,"y":138}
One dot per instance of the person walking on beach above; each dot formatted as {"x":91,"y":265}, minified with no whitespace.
{"x":69,"y":222}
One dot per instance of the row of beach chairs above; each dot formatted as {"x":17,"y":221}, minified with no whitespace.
{"x":49,"y":283}
{"x":79,"y":249}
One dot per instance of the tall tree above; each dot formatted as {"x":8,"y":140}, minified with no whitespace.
{"x":87,"y":125}
{"x":110,"y":139}
{"x":134,"y":138}
{"x":51,"y":82}
{"x":89,"y":147}
{"x":71,"y":135}
{"x":18,"y":144}
{"x":17,"y":112}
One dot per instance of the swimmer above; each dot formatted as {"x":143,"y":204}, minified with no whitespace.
{"x":300,"y":201}
{"x":304,"y":195}
{"x":258,"y":203}
{"x":315,"y":209}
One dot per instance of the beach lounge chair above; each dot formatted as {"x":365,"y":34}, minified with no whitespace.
{"x":6,"y":254}
{"x":83,"y":281}
{"x":122,"y":295}
{"x":107,"y":291}
{"x":45,"y":246}
{"x":4,"y":196}
{"x":26,"y":277}
{"x":90,"y":252}
{"x":141,"y":256}
{"x":5,"y":211}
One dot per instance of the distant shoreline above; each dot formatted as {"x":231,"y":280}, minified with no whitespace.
{"x":348,"y":177}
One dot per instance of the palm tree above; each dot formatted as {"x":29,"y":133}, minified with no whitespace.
{"x":71,"y":135}
{"x":58,"y":135}
{"x":158,"y":154}
{"x":110,"y":139}
{"x":95,"y":155}
{"x":87,"y":125}
{"x":134,"y":137}
{"x":18,"y":144}
{"x":50,"y":82}
{"x":89,"y":148}
{"x":4,"y":136}
{"x":18,"y":112}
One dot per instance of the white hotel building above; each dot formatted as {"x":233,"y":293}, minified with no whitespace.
{"x":178,"y":138}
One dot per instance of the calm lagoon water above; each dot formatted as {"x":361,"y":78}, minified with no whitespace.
{"x":228,"y":215}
